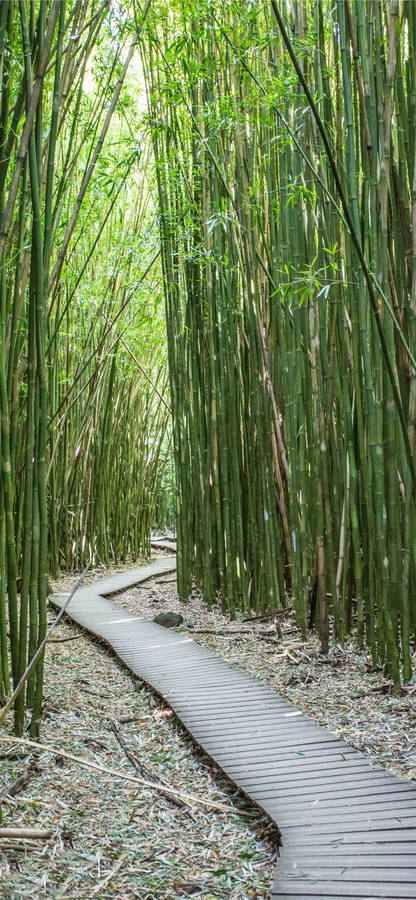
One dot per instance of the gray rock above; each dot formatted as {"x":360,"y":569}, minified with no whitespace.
{"x":168,"y":619}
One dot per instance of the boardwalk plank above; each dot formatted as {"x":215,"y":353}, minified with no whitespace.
{"x":348,"y":827}
{"x":346,"y":873}
{"x":328,"y":888}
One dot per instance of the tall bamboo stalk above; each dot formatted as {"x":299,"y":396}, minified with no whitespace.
{"x":85,"y":433}
{"x":286,"y":173}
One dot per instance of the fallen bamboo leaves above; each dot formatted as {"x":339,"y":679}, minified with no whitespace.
{"x":56,"y":751}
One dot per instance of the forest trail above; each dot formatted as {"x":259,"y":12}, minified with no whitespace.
{"x":341,"y":832}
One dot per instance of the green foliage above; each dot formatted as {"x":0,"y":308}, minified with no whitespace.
{"x":293,"y":394}
{"x":85,"y":429}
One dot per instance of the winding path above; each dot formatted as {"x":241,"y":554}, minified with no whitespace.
{"x":348,"y":828}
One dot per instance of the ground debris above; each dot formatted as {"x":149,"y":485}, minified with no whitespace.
{"x":127,"y":842}
{"x":19,"y":783}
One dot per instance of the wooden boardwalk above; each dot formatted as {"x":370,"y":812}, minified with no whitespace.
{"x":348,"y":828}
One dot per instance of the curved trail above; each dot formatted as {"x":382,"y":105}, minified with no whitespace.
{"x":348,"y":828}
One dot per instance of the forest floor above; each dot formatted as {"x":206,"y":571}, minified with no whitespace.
{"x":112,"y":840}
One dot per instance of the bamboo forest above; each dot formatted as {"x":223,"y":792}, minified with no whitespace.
{"x":208,"y":435}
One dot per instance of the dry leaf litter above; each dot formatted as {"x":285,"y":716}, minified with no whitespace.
{"x":112,"y":839}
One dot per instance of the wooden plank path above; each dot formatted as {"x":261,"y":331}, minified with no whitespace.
{"x":348,"y":828}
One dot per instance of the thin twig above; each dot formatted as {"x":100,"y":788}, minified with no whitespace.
{"x":75,"y":637}
{"x":140,"y":767}
{"x":224,"y":632}
{"x":21,"y":848}
{"x":19,"y":783}
{"x":56,"y":751}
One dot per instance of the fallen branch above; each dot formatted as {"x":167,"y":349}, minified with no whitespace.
{"x":224,"y":632}
{"x":21,"y":848}
{"x":75,"y":637}
{"x":33,"y":834}
{"x":125,"y":720}
{"x":270,"y":639}
{"x":19,"y":783}
{"x":257,"y":619}
{"x":280,"y":614}
{"x":56,"y":751}
{"x":143,"y":771}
